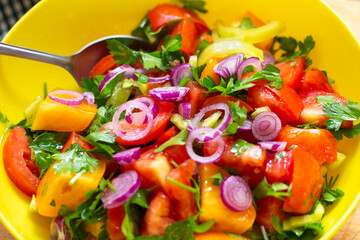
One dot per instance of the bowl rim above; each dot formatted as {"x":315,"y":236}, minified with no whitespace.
{"x":328,"y":235}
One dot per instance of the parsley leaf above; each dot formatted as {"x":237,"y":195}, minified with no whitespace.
{"x":329,"y":196}
{"x":42,"y":148}
{"x":264,"y":189}
{"x":179,"y":139}
{"x":203,"y":44}
{"x":143,"y":79}
{"x":239,"y":115}
{"x":218,"y":178}
{"x":4,"y":119}
{"x":240,"y":146}
{"x":172,"y":44}
{"x":103,"y":142}
{"x":279,"y":155}
{"x":338,"y":111}
{"x":246,"y":23}
{"x":103,"y":115}
{"x":74,"y":160}
{"x":195,"y":5}
{"x":122,"y":53}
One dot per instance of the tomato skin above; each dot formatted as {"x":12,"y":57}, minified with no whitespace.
{"x":279,"y":170}
{"x":104,"y":66}
{"x":315,"y":80}
{"x":285,"y":102}
{"x":195,"y":96}
{"x":306,"y":181}
{"x":163,"y":13}
{"x":319,"y":142}
{"x":250,"y":164}
{"x":75,"y":138}
{"x":115,"y":217}
{"x":267,"y":207}
{"x":159,"y":125}
{"x":291,"y":72}
{"x":158,"y":216}
{"x":184,"y":201}
{"x":186,"y":28}
{"x":178,"y":153}
{"x":313,"y":112}
{"x":226,"y":99}
{"x":17,"y":156}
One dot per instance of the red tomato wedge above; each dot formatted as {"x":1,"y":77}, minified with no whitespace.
{"x":158,"y":216}
{"x":267,"y":207}
{"x":278,"y":170}
{"x":18,"y":164}
{"x":315,"y":80}
{"x":291,"y":72}
{"x":196,"y":96}
{"x":189,"y":43}
{"x":285,"y":102}
{"x":160,"y":122}
{"x":115,"y":217}
{"x":306,"y":181}
{"x":104,"y":66}
{"x":313,"y":112}
{"x":319,"y":142}
{"x":163,"y":13}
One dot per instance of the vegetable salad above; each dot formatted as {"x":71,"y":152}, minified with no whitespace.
{"x":207,"y":137}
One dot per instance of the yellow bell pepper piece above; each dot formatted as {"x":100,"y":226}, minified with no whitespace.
{"x":226,"y":48}
{"x":54,"y":189}
{"x":252,"y":35}
{"x":54,"y":116}
{"x":226,"y":220}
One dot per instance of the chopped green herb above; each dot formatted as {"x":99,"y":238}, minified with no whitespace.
{"x":103,"y":115}
{"x":141,"y":78}
{"x":103,"y":142}
{"x":329,"y":196}
{"x":279,"y":155}
{"x":53,"y":203}
{"x":240,"y":146}
{"x":203,"y":44}
{"x":194,"y":5}
{"x":239,"y":115}
{"x":218,"y":178}
{"x":179,"y":139}
{"x":246,"y":23}
{"x":264,"y":189}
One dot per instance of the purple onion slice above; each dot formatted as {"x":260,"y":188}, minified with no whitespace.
{"x":184,"y":110}
{"x":222,"y":125}
{"x":268,"y":58}
{"x":228,"y":66}
{"x":140,"y":117}
{"x":276,"y":146}
{"x":68,"y":97}
{"x":89,"y":97}
{"x":245,"y":127}
{"x":169,"y":94}
{"x":58,"y":229}
{"x":266,"y":126}
{"x":254,"y":61}
{"x":126,"y":185}
{"x":235,"y":193}
{"x":127,"y":156}
{"x":196,"y":133}
{"x":130,"y":106}
{"x":159,"y":79}
{"x":180,"y":72}
{"x":129,"y":73}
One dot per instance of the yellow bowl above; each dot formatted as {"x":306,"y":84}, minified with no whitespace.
{"x":64,"y":26}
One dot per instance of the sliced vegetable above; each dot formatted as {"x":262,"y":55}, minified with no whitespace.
{"x":180,"y":72}
{"x":266,"y":126}
{"x":170,"y":94}
{"x":128,"y":73}
{"x":184,"y":110}
{"x":127,"y":156}
{"x":268,"y":58}
{"x":292,"y":72}
{"x":276,"y":146}
{"x":89,"y":97}
{"x":159,"y":79}
{"x":315,"y":80}
{"x":267,"y":207}
{"x":125,"y":185}
{"x":251,"y":61}
{"x":58,"y":229}
{"x":228,"y":66}
{"x":68,"y":97}
{"x":236,"y":193}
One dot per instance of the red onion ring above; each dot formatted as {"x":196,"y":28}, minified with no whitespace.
{"x":89,"y":97}
{"x":268,"y":58}
{"x":159,"y":79}
{"x":169,"y":94}
{"x":129,"y":73}
{"x":235,"y":193}
{"x":127,"y":156}
{"x":58,"y":229}
{"x":228,"y":66}
{"x":184,"y":110}
{"x":276,"y":146}
{"x":254,"y":61}
{"x":126,"y":185}
{"x":72,"y":98}
{"x":132,"y":105}
{"x":220,"y":128}
{"x":266,"y":126}
{"x":180,"y":72}
{"x":196,"y":133}
{"x":245,"y":127}
{"x":140,"y":117}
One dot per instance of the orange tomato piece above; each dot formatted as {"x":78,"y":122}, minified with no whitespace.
{"x":209,"y":70}
{"x":215,"y":236}
{"x":226,"y":220}
{"x":54,"y":116}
